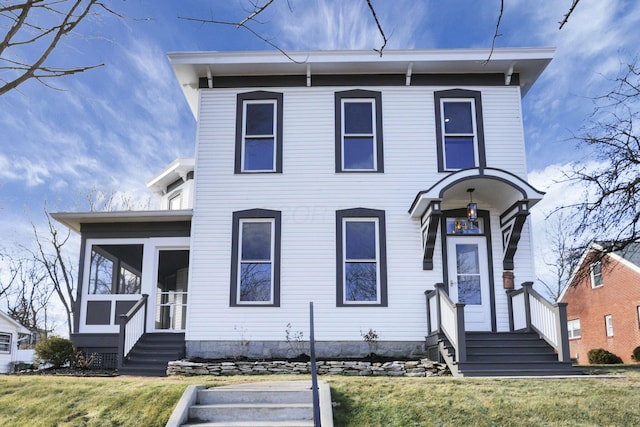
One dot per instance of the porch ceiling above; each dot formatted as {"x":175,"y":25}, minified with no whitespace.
{"x":494,"y":187}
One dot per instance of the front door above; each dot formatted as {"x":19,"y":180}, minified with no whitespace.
{"x":468,"y":271}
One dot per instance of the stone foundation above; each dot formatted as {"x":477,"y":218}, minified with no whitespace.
{"x":412,"y":368}
{"x":276,"y":350}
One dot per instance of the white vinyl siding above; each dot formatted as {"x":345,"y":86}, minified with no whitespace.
{"x":309,"y":192}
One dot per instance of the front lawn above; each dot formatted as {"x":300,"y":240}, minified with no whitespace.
{"x":361,"y":401}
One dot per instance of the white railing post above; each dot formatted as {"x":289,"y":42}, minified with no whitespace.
{"x":133,"y":326}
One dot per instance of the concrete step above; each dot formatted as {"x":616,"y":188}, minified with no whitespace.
{"x":218,"y":396}
{"x":269,"y":403}
{"x":307,"y":423}
{"x":252,"y":412}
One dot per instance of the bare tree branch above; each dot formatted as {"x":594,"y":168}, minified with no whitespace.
{"x":496,"y":34}
{"x":254,"y":13}
{"x":246,"y":27}
{"x":568,"y":14}
{"x":27,"y":37}
{"x":375,"y":17}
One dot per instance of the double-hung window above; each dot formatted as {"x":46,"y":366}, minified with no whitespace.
{"x":259,"y":132}
{"x":359,"y":131}
{"x":573,"y":326}
{"x":5,"y":343}
{"x":608,"y":325}
{"x":459,"y":130}
{"x":361,"y":257}
{"x":256,"y":258}
{"x":596,"y":274}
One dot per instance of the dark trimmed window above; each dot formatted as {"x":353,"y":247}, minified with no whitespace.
{"x":358,"y":115}
{"x":258,"y":132}
{"x":361,"y":262}
{"x":255,"y":260}
{"x":459,"y":130}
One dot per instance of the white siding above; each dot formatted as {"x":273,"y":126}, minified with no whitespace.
{"x":309,"y":192}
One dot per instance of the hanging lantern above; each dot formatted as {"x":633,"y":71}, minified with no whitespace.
{"x":472,"y":208}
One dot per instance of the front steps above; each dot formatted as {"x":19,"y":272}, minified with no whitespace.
{"x":273,"y":403}
{"x":151,"y":354}
{"x":506,"y":354}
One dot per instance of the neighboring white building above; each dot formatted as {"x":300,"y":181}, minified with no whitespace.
{"x":342,"y":179}
{"x":10,"y":332}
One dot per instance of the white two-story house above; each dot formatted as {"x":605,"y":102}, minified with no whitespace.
{"x":388,"y":190}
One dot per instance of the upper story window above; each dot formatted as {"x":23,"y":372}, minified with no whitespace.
{"x":175,"y":202}
{"x":596,"y":274}
{"x":361,"y":257}
{"x":459,"y":130}
{"x":359,"y":131}
{"x":573,"y":326}
{"x":115,"y":269}
{"x":255,"y":275}
{"x":258,"y":132}
{"x":5,"y":343}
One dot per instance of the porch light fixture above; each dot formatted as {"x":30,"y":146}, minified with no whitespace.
{"x":472,"y":208}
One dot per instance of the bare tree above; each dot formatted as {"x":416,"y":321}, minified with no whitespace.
{"x":610,"y":208}
{"x":564,"y":254}
{"x":30,"y":296}
{"x":50,"y":255}
{"x":33,"y":30}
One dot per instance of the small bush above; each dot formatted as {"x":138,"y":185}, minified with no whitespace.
{"x":600,"y":356}
{"x":636,"y":354}
{"x":55,"y":351}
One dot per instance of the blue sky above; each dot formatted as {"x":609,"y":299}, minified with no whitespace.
{"x":114,"y":127}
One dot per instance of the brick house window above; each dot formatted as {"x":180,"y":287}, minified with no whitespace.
{"x":608,"y":324}
{"x":596,"y":274}
{"x":573,"y":326}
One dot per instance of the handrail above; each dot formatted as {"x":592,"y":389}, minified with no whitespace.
{"x":445,"y":316}
{"x":314,"y":371}
{"x":530,"y":311}
{"x":133,"y":326}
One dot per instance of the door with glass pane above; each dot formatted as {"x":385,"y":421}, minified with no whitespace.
{"x":172,"y":290}
{"x":468,"y":270}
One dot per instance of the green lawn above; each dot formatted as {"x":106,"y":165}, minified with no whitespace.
{"x":361,"y":401}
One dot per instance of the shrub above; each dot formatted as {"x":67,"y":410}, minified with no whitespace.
{"x":636,"y":354}
{"x":55,"y":351}
{"x":600,"y":356}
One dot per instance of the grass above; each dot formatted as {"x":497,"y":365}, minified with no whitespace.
{"x":361,"y":401}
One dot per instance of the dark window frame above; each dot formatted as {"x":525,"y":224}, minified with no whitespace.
{"x":453,"y":94}
{"x":261,"y":95}
{"x":376,"y":97}
{"x":261,"y":214}
{"x":361,"y":213}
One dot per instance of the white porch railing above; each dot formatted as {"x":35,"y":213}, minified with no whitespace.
{"x":133,"y":326}
{"x":528,"y":311}
{"x":445,"y":316}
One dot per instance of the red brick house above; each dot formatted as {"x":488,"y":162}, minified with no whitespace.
{"x":603,"y":300}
